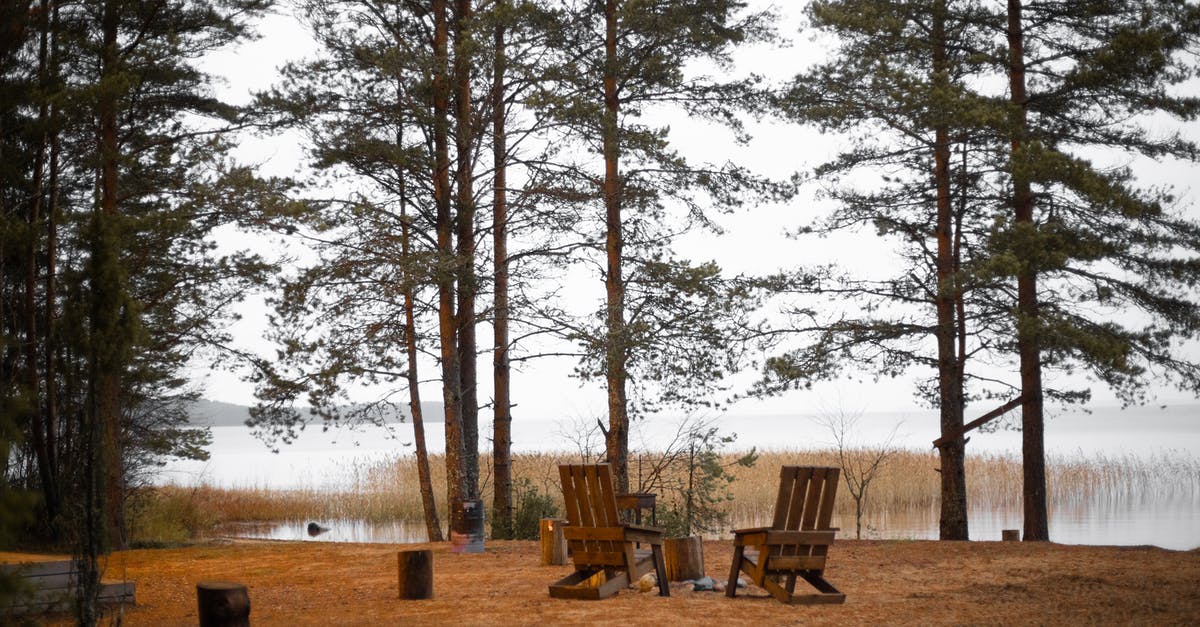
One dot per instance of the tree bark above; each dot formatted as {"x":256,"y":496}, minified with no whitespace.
{"x":39,"y":426}
{"x":465,"y":263}
{"x":953,"y":522}
{"x":222,"y":604}
{"x":415,"y":574}
{"x":108,"y":340}
{"x":456,"y":487}
{"x":616,"y":348}
{"x":502,"y":505}
{"x":433,"y":526}
{"x":1028,"y":343}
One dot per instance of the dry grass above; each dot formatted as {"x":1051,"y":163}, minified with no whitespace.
{"x":908,"y":485}
{"x":886,"y":582}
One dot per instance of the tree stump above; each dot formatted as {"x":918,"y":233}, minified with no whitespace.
{"x":223,"y":604}
{"x":1010,"y":535}
{"x":684,"y":558}
{"x":416,"y":574}
{"x":554,"y":544}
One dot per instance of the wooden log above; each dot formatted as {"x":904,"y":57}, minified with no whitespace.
{"x":554,"y":544}
{"x":223,"y":604}
{"x":416,"y":574}
{"x":684,"y":557}
{"x":1011,"y":535}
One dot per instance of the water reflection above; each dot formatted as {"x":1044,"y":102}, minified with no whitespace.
{"x":1169,"y":523}
{"x":344,"y":530}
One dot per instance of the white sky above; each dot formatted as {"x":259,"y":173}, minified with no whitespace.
{"x":754,"y":242}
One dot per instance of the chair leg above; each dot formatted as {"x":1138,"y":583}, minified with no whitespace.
{"x":731,"y":589}
{"x":660,"y":570}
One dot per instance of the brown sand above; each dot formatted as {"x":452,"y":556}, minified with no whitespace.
{"x":892,"y":582}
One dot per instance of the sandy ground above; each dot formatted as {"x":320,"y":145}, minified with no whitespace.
{"x":886,"y":582}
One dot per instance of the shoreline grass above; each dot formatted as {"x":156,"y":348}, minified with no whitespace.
{"x":387,"y":491}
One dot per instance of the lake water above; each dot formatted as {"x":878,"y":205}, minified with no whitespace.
{"x":329,"y":459}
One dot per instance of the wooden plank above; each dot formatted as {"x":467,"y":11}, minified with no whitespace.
{"x":812,"y":500}
{"x":39,"y":569}
{"x":980,"y":421}
{"x":800,"y":537}
{"x":791,"y":563}
{"x":753,"y":538}
{"x":598,"y":558}
{"x":607,"y":496}
{"x":787,"y":478}
{"x":798,"y":493}
{"x":832,"y":477}
{"x":590,"y":488}
{"x":608,"y":534}
{"x":569,"y":499}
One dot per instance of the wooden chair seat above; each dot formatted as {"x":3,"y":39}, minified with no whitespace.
{"x":603,"y":549}
{"x":797,"y":543}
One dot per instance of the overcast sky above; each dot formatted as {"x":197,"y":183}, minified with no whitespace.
{"x":755,"y":240}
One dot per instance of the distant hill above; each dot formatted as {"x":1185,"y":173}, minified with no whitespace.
{"x":206,"y":413}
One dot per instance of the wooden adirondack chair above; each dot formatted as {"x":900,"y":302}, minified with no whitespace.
{"x":796,"y":543}
{"x":600,"y":542}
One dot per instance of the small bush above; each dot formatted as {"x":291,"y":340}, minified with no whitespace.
{"x":532,"y":507}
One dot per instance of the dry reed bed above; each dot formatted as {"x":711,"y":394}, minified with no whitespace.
{"x":388,"y":491}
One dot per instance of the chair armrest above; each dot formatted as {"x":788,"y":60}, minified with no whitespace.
{"x":793,"y":538}
{"x":639,"y":533}
{"x":740,"y":532}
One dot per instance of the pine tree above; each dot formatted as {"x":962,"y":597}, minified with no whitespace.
{"x":1085,"y":244}
{"x":619,"y":60}
{"x":896,"y":86}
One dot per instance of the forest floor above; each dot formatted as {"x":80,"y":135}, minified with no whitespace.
{"x":886,"y":582}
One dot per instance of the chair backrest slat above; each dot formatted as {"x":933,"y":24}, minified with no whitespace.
{"x":783,"y":502}
{"x":570,"y":495}
{"x":812,"y":499}
{"x":806,"y":498}
{"x":829,"y":494}
{"x":590,"y":502}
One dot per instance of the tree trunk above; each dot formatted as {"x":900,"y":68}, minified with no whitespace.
{"x":1028,"y":344}
{"x":222,"y":604}
{"x":616,"y":350}
{"x":465,"y":263}
{"x":502,"y":505}
{"x":415,"y":574}
{"x":953,"y":524}
{"x":109,"y":342}
{"x":51,"y":336}
{"x":433,"y":525}
{"x":456,"y":487}
{"x":39,"y":427}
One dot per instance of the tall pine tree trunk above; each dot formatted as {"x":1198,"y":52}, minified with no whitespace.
{"x":502,"y":504}
{"x":456,"y":487}
{"x":39,"y":425}
{"x":465,"y":210}
{"x":616,"y":352}
{"x":109,"y":343}
{"x":953,"y":525}
{"x":433,"y":526}
{"x":1028,"y":344}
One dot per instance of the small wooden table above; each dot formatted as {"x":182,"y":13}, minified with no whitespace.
{"x":636,"y":502}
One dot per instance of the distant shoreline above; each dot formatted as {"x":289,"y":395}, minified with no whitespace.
{"x":209,"y":413}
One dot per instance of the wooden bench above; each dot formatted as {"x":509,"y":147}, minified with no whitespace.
{"x":51,"y":584}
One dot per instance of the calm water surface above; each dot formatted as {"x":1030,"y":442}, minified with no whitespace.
{"x":1173,"y":525}
{"x":333,"y":459}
